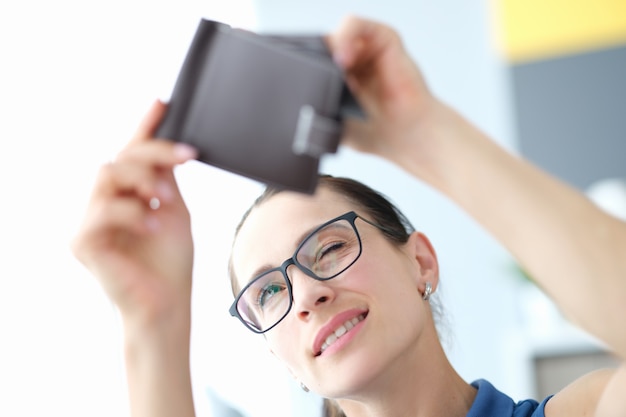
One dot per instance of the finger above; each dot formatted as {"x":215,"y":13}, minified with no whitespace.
{"x":130,"y":179}
{"x":125,"y":214}
{"x":108,"y":222}
{"x":150,"y":122}
{"x":357,"y":135}
{"x":158,"y":153}
{"x":358,"y":40}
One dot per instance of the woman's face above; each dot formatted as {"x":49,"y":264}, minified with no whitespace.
{"x":376,"y":305}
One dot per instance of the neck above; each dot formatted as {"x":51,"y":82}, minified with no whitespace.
{"x":432,"y":388}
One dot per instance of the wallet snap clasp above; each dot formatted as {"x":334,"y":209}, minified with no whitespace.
{"x":315,"y":135}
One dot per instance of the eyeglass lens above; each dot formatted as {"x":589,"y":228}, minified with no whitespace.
{"x":325,"y":254}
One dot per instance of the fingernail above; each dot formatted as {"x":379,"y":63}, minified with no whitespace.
{"x":341,"y":58}
{"x":184,"y":151}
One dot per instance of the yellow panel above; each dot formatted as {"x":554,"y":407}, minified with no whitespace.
{"x":534,"y":29}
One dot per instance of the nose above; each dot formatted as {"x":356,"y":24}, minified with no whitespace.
{"x":309,"y":294}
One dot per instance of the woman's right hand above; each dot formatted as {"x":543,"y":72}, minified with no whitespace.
{"x":405,"y":121}
{"x":142,"y":255}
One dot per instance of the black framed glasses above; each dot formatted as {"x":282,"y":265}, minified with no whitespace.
{"x":326,"y":252}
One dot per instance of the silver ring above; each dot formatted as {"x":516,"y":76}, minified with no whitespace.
{"x":155,"y":203}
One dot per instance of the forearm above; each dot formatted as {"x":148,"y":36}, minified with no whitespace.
{"x":157,"y":365}
{"x":571,"y":248}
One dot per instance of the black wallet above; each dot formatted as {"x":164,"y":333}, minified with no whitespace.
{"x":263,"y":106}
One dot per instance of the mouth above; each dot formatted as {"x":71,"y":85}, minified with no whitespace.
{"x":339,"y":332}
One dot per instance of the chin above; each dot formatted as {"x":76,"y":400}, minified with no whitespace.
{"x":349,"y":379}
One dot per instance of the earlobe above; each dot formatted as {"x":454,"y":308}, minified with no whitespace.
{"x":426,"y":258}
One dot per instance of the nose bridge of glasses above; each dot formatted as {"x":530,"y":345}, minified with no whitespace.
{"x":296,"y":269}
{"x":306,"y":287}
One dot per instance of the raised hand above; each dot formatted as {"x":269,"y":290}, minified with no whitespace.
{"x":388,"y":85}
{"x":141,"y":254}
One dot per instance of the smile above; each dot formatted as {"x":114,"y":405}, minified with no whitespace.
{"x":340,"y":331}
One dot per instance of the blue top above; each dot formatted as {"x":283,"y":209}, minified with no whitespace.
{"x":490,"y":402}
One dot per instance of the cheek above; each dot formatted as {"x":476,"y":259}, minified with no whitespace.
{"x":384,"y":274}
{"x":280,"y":342}
{"x":392,"y":286}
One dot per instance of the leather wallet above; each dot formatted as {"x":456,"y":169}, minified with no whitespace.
{"x":263,"y":106}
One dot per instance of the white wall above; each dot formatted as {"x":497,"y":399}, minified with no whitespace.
{"x":75,"y":79}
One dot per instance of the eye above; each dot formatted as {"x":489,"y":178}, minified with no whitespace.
{"x":329,"y":249}
{"x":269,"y":293}
{"x":332,"y":256}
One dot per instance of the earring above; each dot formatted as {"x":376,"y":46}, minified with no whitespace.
{"x":427,"y":291}
{"x":304,"y":387}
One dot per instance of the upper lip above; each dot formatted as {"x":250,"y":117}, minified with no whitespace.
{"x":332,"y":325}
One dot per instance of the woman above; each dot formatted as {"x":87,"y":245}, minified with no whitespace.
{"x":384,"y":359}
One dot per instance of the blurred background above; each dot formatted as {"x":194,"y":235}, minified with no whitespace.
{"x":544,"y":78}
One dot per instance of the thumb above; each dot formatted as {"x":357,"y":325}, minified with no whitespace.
{"x":150,"y":122}
{"x":358,"y":135}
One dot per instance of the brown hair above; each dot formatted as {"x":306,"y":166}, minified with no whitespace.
{"x":330,"y":408}
{"x":395,"y":224}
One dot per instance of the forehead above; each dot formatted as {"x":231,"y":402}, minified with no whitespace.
{"x":273,"y":230}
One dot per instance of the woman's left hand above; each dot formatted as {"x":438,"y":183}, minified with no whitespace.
{"x":387,"y":84}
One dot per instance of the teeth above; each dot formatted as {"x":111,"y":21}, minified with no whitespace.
{"x":341,"y":330}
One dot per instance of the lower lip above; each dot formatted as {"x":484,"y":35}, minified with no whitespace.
{"x":343,"y":340}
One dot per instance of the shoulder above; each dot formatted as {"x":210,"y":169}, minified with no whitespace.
{"x":581,"y":397}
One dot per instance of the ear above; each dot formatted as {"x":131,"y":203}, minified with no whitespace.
{"x":422,"y":251}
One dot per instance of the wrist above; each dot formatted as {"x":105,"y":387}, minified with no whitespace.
{"x":446,"y":149}
{"x":170,"y":328}
{"x":429,"y":143}
{"x":157,"y":356}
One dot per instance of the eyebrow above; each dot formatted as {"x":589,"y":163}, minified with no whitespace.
{"x":260,"y":270}
{"x":267,"y":267}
